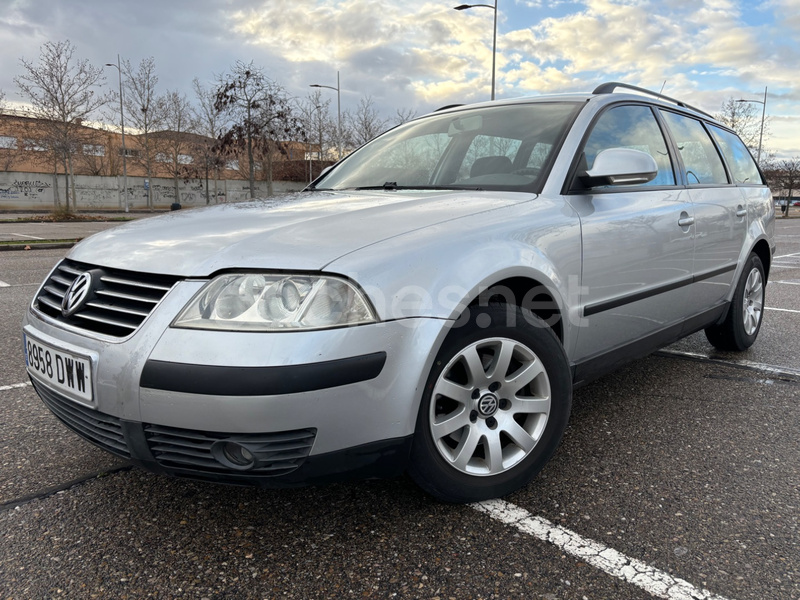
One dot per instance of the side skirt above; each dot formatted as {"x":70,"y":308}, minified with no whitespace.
{"x":601,"y":364}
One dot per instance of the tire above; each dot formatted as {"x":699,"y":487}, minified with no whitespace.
{"x":740,"y":328}
{"x":495,"y":406}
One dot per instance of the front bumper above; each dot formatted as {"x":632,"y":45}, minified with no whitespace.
{"x":284,"y":459}
{"x":310,"y":406}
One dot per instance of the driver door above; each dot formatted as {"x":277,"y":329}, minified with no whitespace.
{"x":638,"y":246}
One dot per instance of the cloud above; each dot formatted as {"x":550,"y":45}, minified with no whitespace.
{"x":424,"y":54}
{"x":426,"y":48}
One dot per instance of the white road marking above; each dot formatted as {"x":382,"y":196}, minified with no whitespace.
{"x":14,"y":386}
{"x":655,"y":582}
{"x":4,"y":284}
{"x":773,"y":369}
{"x":782,"y":309}
{"x":30,"y":237}
{"x":786,"y":282}
{"x":787,"y":255}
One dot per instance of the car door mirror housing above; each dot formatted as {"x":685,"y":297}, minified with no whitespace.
{"x":620,"y":166}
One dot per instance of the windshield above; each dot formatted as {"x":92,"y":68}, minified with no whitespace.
{"x":502,"y":147}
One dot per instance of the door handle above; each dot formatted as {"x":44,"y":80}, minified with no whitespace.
{"x":741,"y":212}
{"x":685,"y":221}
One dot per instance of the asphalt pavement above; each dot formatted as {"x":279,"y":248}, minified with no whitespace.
{"x":678,"y":477}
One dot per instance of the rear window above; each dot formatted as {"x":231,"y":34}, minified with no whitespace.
{"x":699,"y":154}
{"x":740,"y":161}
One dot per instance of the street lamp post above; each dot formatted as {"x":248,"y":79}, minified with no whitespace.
{"x":763,"y":114}
{"x":338,"y":90}
{"x":494,"y":34}
{"x":122,"y":122}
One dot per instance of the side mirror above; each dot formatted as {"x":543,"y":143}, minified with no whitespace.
{"x":620,"y":166}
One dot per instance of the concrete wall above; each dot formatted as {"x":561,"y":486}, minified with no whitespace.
{"x":35,"y":191}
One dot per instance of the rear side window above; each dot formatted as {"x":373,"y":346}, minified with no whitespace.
{"x":634,"y":127}
{"x":700,"y":157}
{"x":739,"y":159}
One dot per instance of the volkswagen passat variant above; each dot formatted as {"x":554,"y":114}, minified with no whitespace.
{"x":427,"y":305}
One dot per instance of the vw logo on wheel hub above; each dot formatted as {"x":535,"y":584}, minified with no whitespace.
{"x":487,"y":405}
{"x":76,"y":294}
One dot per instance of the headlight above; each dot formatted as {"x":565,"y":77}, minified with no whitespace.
{"x":256,"y":302}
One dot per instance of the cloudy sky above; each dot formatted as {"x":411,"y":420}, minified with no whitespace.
{"x":421,"y":54}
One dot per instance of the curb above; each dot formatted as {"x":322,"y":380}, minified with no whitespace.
{"x":53,"y":246}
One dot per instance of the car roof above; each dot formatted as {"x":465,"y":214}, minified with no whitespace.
{"x":605,"y":93}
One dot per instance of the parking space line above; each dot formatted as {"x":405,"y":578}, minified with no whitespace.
{"x":14,"y":386}
{"x":653,"y":581}
{"x":786,"y":282}
{"x":4,"y":284}
{"x":771,"y":369}
{"x":30,"y":237}
{"x":782,"y":309}
{"x":787,"y":255}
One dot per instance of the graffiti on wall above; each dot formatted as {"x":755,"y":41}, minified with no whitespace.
{"x":28,"y":190}
{"x":28,"y":187}
{"x":24,"y":188}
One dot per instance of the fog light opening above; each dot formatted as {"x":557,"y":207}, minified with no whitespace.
{"x":233,"y":455}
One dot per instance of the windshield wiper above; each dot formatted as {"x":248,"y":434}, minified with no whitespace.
{"x":389,"y":185}
{"x":392,"y":186}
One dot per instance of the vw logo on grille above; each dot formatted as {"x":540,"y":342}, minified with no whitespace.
{"x":76,"y":294}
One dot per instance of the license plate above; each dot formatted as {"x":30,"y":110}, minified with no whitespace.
{"x":60,"y":369}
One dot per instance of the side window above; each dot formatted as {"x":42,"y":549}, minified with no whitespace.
{"x":632,"y":127}
{"x":700,"y":157}
{"x":739,"y":159}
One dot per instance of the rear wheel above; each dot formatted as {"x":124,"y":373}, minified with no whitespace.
{"x":495,"y":407}
{"x":741,"y":326}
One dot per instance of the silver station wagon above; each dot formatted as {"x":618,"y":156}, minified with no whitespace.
{"x":425,"y":306}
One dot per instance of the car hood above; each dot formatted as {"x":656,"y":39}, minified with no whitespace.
{"x":304,"y":231}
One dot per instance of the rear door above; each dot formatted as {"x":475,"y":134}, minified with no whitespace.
{"x":720,"y":211}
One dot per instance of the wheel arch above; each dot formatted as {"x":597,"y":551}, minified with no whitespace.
{"x":763,"y":252}
{"x":528,"y":293}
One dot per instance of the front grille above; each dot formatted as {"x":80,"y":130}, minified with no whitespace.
{"x":277,"y":453}
{"x":116,"y":305}
{"x":100,"y":429}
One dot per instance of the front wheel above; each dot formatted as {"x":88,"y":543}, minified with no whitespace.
{"x":494,"y":409}
{"x":741,"y":326}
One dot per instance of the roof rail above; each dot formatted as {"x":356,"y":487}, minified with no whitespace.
{"x":448,"y":106}
{"x":608,"y":88}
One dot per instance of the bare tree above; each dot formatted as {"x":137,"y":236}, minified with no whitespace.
{"x":365,"y":123}
{"x":8,"y":147}
{"x":211,"y":125}
{"x":261,"y":116}
{"x":404,"y":114}
{"x":96,"y":153}
{"x":745,"y":119}
{"x":61,"y":91}
{"x":280,"y":127}
{"x":784,"y":178}
{"x":144,"y":110}
{"x":321,"y":130}
{"x":175,"y":145}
